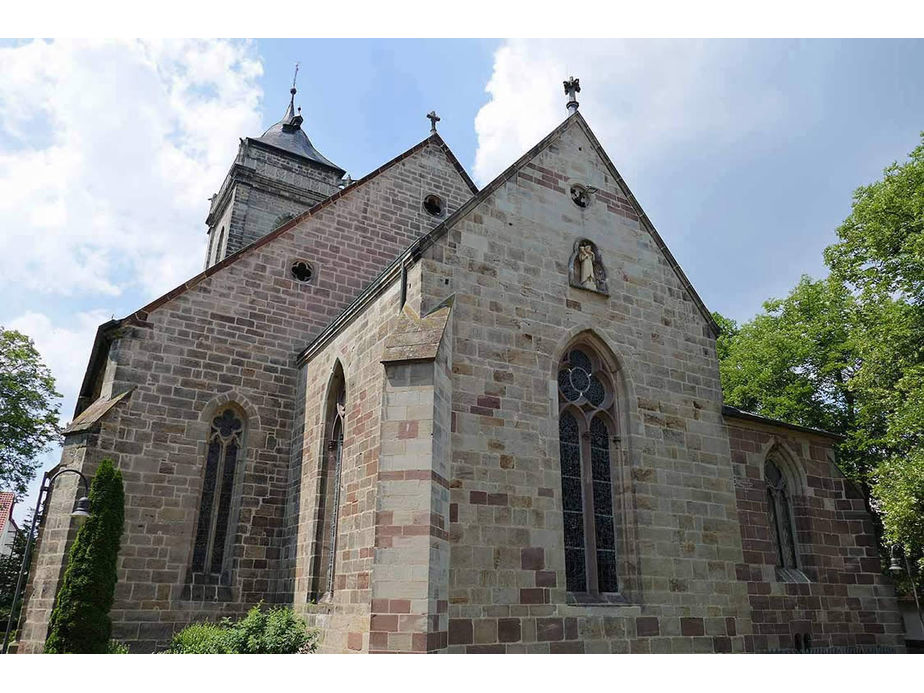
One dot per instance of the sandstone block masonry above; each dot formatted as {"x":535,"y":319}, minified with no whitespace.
{"x":231,"y":335}
{"x":445,"y":350}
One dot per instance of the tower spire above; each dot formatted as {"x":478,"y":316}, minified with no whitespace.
{"x":292,"y":119}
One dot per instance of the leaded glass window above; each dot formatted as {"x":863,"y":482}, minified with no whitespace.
{"x":586,"y":439}
{"x":214,"y":533}
{"x":780,"y":516}
{"x":325,"y":558}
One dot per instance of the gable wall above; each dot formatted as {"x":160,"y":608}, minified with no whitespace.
{"x":507,"y":263}
{"x":235,"y":335}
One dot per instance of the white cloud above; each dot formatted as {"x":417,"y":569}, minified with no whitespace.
{"x":641,"y":97}
{"x":109,"y":151}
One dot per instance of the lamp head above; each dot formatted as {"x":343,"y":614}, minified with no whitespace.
{"x":82,"y":509}
{"x":895,"y":567}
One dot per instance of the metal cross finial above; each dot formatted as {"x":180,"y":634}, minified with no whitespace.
{"x":572,"y":87}
{"x":434,"y":119}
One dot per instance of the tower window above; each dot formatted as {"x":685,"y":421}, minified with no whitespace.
{"x":302,"y":271}
{"x":434,"y":205}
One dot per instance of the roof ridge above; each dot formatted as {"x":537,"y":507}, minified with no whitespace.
{"x":311,"y":211}
{"x":416,"y":249}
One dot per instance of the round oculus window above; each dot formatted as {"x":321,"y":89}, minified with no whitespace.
{"x":434,"y":205}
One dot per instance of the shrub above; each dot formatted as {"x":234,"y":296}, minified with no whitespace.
{"x":80,"y":618}
{"x":277,"y":631}
{"x":200,"y":638}
{"x":116,"y":647}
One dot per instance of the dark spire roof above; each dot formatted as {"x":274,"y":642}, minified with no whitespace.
{"x":288,"y":135}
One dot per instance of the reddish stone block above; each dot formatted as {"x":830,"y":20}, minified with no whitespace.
{"x":478,"y":498}
{"x":407,"y":429}
{"x":571,"y":629}
{"x":692,"y":626}
{"x":721,"y":644}
{"x":489,"y":402}
{"x":384,"y":622}
{"x":497,"y":499}
{"x":460,"y":631}
{"x":508,"y":629}
{"x":730,"y":627}
{"x":529,"y":595}
{"x":546,"y":578}
{"x":399,"y":606}
{"x":453,"y":512}
{"x":355,"y":641}
{"x":532,"y":558}
{"x":647,"y":626}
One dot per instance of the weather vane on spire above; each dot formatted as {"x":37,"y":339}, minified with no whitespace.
{"x":295,"y":77}
{"x":572,"y":87}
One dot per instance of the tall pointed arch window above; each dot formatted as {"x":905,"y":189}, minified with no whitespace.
{"x":781,"y":523}
{"x":587,"y":434}
{"x":329,"y":488}
{"x":215,"y":533}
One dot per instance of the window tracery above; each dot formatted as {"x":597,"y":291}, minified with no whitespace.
{"x":780,"y":508}
{"x":214,"y":533}
{"x":586,"y":437}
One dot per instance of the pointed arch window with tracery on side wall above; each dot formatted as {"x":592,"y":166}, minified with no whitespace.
{"x":781,"y":519}
{"x":587,"y":437}
{"x":215,"y":533}
{"x":325,"y":555}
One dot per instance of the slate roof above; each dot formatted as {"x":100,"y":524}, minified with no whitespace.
{"x":288,"y":136}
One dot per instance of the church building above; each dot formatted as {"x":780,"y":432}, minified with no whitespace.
{"x":436,"y":418}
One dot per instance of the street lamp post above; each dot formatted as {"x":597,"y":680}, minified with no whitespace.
{"x":81,"y":510}
{"x":895,"y":568}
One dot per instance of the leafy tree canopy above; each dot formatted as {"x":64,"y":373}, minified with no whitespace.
{"x":28,"y":410}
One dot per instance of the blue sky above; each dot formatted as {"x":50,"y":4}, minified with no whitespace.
{"x":744,"y":154}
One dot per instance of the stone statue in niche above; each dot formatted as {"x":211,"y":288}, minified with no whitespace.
{"x":586,"y":258}
{"x":585,"y":268}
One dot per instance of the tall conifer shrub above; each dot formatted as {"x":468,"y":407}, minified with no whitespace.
{"x":80,"y":619}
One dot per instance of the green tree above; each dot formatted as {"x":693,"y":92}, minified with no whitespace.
{"x":880,"y":254}
{"x":80,"y":618}
{"x":797,"y":361}
{"x":9,"y":574}
{"x":28,"y":410}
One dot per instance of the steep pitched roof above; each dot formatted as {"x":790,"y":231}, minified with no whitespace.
{"x":105,"y":331}
{"x":7,"y":499}
{"x":416,"y":249}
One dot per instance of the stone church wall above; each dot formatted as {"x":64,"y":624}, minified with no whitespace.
{"x":507,"y":264}
{"x":233,"y":336}
{"x":846,"y":603}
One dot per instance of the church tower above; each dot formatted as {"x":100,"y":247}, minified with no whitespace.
{"x":273,"y":178}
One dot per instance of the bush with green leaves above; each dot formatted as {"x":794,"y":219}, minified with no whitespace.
{"x":276,"y":631}
{"x":80,"y":620}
